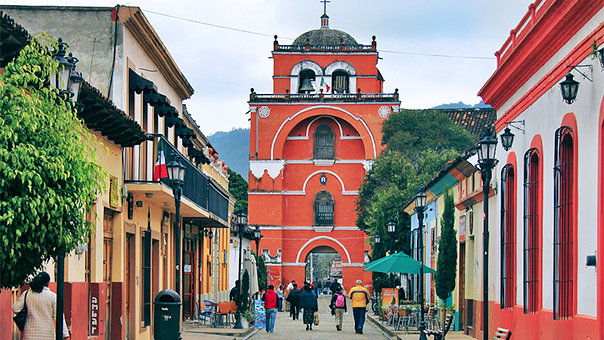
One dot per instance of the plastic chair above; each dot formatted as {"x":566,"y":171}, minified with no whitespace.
{"x":224,"y":309}
{"x":204,"y":314}
{"x":403,"y":320}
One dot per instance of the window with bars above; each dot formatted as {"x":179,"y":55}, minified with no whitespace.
{"x":508,"y":236}
{"x":324,"y":142}
{"x":532,"y":230}
{"x":339,"y":82}
{"x":323,"y":209}
{"x":564,"y":258}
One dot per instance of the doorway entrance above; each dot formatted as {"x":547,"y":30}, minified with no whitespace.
{"x":323,"y":266}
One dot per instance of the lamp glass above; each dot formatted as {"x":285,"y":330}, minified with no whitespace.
{"x":257,"y":233}
{"x":486,"y":149}
{"x":570,"y":88}
{"x":377,"y":238}
{"x":391,"y":227}
{"x":420,"y":199}
{"x":507,"y":139}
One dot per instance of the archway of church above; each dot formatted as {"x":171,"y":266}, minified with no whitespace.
{"x":323,"y":266}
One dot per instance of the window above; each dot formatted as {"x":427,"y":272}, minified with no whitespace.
{"x":146,"y":286}
{"x":306,"y":78}
{"x":564,"y":258}
{"x":323,"y":208}
{"x":532,"y":230}
{"x":339,"y":82}
{"x":508,"y":236}
{"x":324,"y":140}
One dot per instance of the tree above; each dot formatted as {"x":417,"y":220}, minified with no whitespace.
{"x":49,"y":174}
{"x":244,"y":294}
{"x":238,"y":188}
{"x":447,"y":252}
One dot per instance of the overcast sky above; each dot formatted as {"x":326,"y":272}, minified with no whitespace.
{"x":223,"y":64}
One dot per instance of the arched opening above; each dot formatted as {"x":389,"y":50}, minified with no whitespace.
{"x":324,"y":142}
{"x":305,"y":80}
{"x":323,"y":267}
{"x":339,"y":82}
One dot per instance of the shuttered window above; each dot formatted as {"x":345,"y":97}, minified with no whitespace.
{"x":323,"y":209}
{"x":508,"y":236}
{"x":324,"y":142}
{"x":532,"y":230}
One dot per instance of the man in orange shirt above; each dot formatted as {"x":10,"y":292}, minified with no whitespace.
{"x":360,"y":298}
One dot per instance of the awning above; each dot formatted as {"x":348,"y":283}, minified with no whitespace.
{"x":140,"y":84}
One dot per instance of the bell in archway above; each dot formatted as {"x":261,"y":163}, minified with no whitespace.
{"x":306,"y":86}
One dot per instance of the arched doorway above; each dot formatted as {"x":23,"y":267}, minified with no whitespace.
{"x":323,"y":265}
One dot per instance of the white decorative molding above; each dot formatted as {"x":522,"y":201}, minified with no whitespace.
{"x":304,"y":65}
{"x":253,"y":109}
{"x":396,"y":108}
{"x":340,"y":65}
{"x":296,"y":138}
{"x":322,"y":238}
{"x":298,"y":161}
{"x":335,"y":108}
{"x":323,"y":172}
{"x":350,"y":137}
{"x":323,"y":162}
{"x":294,"y":193}
{"x":273,"y":167}
{"x":293,"y":264}
{"x":322,"y":229}
{"x":368,"y":164}
{"x":353,"y":264}
{"x":264,"y":111}
{"x":383,"y":111}
{"x":265,"y":192}
{"x":350,"y":193}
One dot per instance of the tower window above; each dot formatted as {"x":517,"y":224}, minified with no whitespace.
{"x":324,"y":142}
{"x":339,"y":82}
{"x":323,"y":208}
{"x":306,"y":78}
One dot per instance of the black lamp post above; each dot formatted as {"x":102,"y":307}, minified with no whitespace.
{"x":176,"y":175}
{"x":257,"y":237}
{"x":241,"y":221}
{"x":569,"y":88}
{"x":391,"y":231}
{"x":486,"y":161}
{"x":68,"y":82}
{"x":507,"y":139}
{"x":420,"y":207}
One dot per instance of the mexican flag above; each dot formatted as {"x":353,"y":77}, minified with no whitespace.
{"x":160,"y":170}
{"x":324,"y":85}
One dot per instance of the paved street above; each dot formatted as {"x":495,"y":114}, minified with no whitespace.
{"x":286,"y":328}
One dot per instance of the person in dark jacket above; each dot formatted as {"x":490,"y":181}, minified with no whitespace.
{"x":337,"y":309}
{"x":270,"y":299}
{"x":294,"y":299}
{"x":335,"y":286}
{"x":309,"y":302}
{"x":234,"y":292}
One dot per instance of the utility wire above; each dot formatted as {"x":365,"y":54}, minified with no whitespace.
{"x":271,"y":35}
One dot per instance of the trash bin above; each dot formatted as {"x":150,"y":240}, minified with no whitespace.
{"x":167,"y":315}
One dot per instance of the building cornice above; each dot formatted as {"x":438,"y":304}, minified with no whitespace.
{"x":140,"y":28}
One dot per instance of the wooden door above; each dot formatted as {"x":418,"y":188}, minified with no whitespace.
{"x":462,"y":285}
{"x":189,"y":284}
{"x":129,"y":267}
{"x":108,"y":267}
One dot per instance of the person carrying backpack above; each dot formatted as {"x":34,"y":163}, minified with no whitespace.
{"x":338,"y":307}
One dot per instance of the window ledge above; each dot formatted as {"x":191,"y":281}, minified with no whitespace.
{"x":322,"y":229}
{"x":323,"y":162}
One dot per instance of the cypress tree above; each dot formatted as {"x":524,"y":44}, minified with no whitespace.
{"x":447,"y":252}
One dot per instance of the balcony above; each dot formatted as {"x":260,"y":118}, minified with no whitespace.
{"x":203,"y":200}
{"x":325,"y":98}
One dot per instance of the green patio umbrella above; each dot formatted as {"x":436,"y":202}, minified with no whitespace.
{"x":396,"y":263}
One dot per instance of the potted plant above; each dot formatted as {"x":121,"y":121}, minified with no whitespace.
{"x":249,"y":317}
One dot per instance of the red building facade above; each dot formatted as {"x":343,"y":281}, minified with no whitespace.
{"x":312,"y":141}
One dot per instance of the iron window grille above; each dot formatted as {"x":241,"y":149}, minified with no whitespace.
{"x":563,"y":224}
{"x":340,"y":82}
{"x":532,"y":231}
{"x":508,"y":236}
{"x":324,"y":142}
{"x":323,"y":209}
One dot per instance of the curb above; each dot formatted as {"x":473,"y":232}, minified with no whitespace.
{"x":383,"y":328}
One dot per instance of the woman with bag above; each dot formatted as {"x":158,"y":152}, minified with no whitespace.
{"x":41,"y":310}
{"x":309,"y":302}
{"x":338,"y":307}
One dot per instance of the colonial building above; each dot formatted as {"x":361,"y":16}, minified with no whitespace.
{"x":133,"y":102}
{"x":547,"y":233}
{"x":312,"y":141}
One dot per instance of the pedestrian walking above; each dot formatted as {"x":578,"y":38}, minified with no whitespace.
{"x":294,"y":299}
{"x":288,"y":289}
{"x":310,"y":303}
{"x":41,"y":310}
{"x":280,"y":296}
{"x":338,"y":307}
{"x":270,"y":299}
{"x":360,"y":298}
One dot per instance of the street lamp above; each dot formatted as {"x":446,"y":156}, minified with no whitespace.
{"x":176,"y":175}
{"x":241,"y":221}
{"x":420,"y":207}
{"x":391,"y":231}
{"x":257,"y":237}
{"x":486,"y":161}
{"x":68,"y":82}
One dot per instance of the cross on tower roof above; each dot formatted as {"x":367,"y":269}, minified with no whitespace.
{"x":324,"y":5}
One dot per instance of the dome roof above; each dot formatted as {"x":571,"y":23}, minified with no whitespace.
{"x":325,"y":37}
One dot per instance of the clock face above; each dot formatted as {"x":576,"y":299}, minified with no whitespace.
{"x":384,"y":111}
{"x":264,"y":112}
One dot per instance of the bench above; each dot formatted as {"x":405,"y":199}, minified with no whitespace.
{"x":502,"y":333}
{"x":440,"y":334}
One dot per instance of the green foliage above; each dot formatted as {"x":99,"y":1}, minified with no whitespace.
{"x":49,"y":173}
{"x":418,"y":144}
{"x":238,"y":188}
{"x":234,"y":149}
{"x":262,"y":276}
{"x":447,"y":251}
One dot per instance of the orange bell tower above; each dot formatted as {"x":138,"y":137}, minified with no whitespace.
{"x":311,"y":143}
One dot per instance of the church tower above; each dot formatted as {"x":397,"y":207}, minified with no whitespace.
{"x":311,"y":143}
